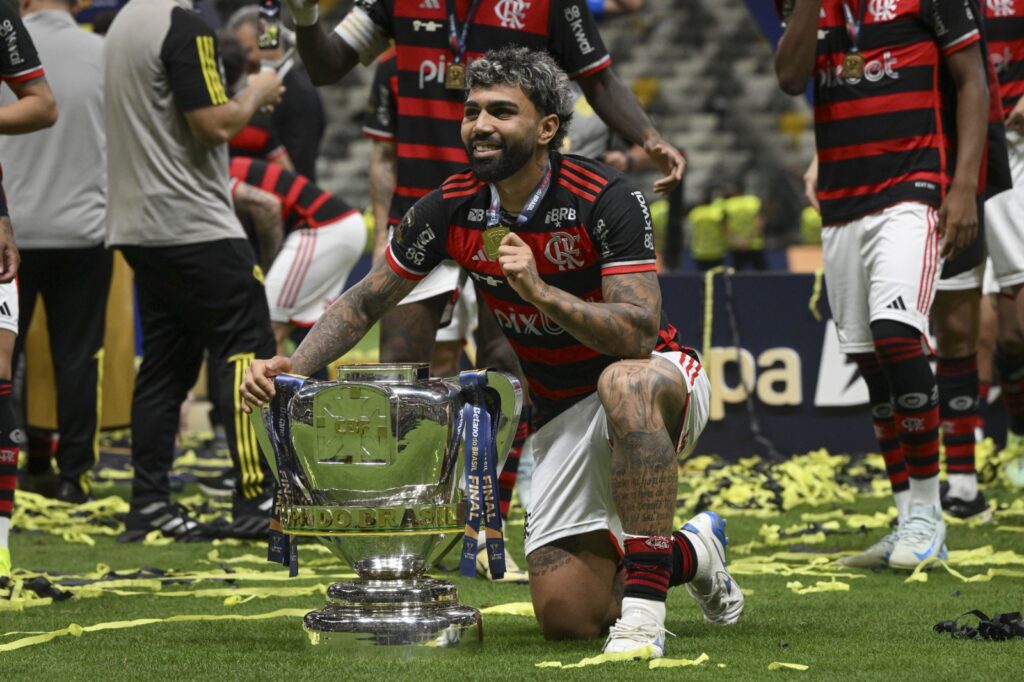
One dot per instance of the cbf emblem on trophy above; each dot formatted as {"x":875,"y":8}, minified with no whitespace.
{"x":390,"y":468}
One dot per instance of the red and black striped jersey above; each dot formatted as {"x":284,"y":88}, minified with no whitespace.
{"x":19,"y":61}
{"x":428,"y":115}
{"x":257,"y":140}
{"x":889,"y":136}
{"x":591,"y":224}
{"x":303,"y":204}
{"x":382,"y":107}
{"x":1004,"y":28}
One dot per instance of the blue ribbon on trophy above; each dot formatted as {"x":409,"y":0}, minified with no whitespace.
{"x":281,"y":547}
{"x":480,"y":422}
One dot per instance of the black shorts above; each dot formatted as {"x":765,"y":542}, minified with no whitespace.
{"x":974,"y":255}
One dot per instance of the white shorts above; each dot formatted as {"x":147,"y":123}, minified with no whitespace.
{"x":989,"y":283}
{"x":9,"y":306}
{"x":882,"y":267}
{"x":571,"y":490}
{"x":1004,"y":222}
{"x":464,"y":316}
{"x":310,"y":271}
{"x":443,"y":279}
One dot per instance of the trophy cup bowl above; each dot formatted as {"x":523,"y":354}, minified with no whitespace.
{"x":371,"y":465}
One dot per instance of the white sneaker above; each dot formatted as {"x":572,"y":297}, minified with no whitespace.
{"x":921,"y":537}
{"x":639,"y":630}
{"x":714,"y":590}
{"x":874,"y":556}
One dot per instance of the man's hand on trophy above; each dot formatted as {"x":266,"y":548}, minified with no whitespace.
{"x":258,"y":386}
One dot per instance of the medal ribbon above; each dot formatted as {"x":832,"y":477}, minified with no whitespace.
{"x":456,"y":38}
{"x":531,"y":206}
{"x":480,"y":427}
{"x":853,"y":25}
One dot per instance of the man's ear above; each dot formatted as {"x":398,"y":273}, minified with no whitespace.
{"x":549,"y":126}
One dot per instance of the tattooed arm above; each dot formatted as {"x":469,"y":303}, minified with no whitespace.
{"x":264,"y":210}
{"x":339,"y":329}
{"x":624,"y":324}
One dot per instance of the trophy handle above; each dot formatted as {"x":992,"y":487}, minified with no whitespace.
{"x":510,"y":391}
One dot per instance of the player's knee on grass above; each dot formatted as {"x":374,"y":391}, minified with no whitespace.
{"x":573,"y":585}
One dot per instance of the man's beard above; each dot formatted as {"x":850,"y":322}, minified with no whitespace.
{"x":511,"y":158}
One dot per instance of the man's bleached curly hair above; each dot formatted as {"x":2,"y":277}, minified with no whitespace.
{"x":534,"y":72}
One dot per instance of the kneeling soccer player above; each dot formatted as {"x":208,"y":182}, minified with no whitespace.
{"x":615,"y":398}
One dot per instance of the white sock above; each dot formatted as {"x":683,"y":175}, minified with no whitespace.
{"x":702,"y":576}
{"x":5,"y":525}
{"x":648,"y":607}
{"x":924,"y":491}
{"x":902,"y":505}
{"x":963,"y":486}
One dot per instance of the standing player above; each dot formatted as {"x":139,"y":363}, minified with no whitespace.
{"x":615,"y":397}
{"x":34,"y":109}
{"x":897,"y":174}
{"x":323,"y":239}
{"x":1004,"y":213}
{"x":434,"y":42}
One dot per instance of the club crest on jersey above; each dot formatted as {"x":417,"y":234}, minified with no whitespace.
{"x":511,"y":13}
{"x":884,"y":10}
{"x":563,"y":250}
{"x":1001,"y":8}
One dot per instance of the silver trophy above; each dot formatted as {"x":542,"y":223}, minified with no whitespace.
{"x":372,"y":466}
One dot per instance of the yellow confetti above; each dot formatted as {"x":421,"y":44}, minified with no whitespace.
{"x":778,"y":665}
{"x":76,"y":630}
{"x":643,"y":654}
{"x":678,"y":662}
{"x":522,"y":608}
{"x":821,"y":586}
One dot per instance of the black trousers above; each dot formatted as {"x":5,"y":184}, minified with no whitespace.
{"x":193,"y":298}
{"x":74,"y":284}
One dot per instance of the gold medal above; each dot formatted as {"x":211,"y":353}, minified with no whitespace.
{"x":455,"y":77}
{"x":492,"y":240}
{"x":853,"y":65}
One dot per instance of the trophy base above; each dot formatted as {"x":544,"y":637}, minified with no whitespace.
{"x":401,"y":616}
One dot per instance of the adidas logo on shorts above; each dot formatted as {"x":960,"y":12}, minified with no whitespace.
{"x":897,"y":304}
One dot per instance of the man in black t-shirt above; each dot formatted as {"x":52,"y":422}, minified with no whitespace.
{"x":562,"y":249}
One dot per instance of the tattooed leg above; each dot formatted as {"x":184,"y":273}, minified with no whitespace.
{"x":576,"y":586}
{"x":644,"y":401}
{"x":407,"y":332}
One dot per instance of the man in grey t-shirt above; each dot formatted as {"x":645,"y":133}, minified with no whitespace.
{"x":59,"y":205}
{"x":199,"y":288}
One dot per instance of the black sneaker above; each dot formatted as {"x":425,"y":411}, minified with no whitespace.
{"x":218,"y":486}
{"x":170,"y":519}
{"x":250,"y":519}
{"x":72,"y":493}
{"x":967,"y":510}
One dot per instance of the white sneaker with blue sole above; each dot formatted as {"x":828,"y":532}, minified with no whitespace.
{"x":714,"y":590}
{"x":921,"y":537}
{"x":639,"y":631}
